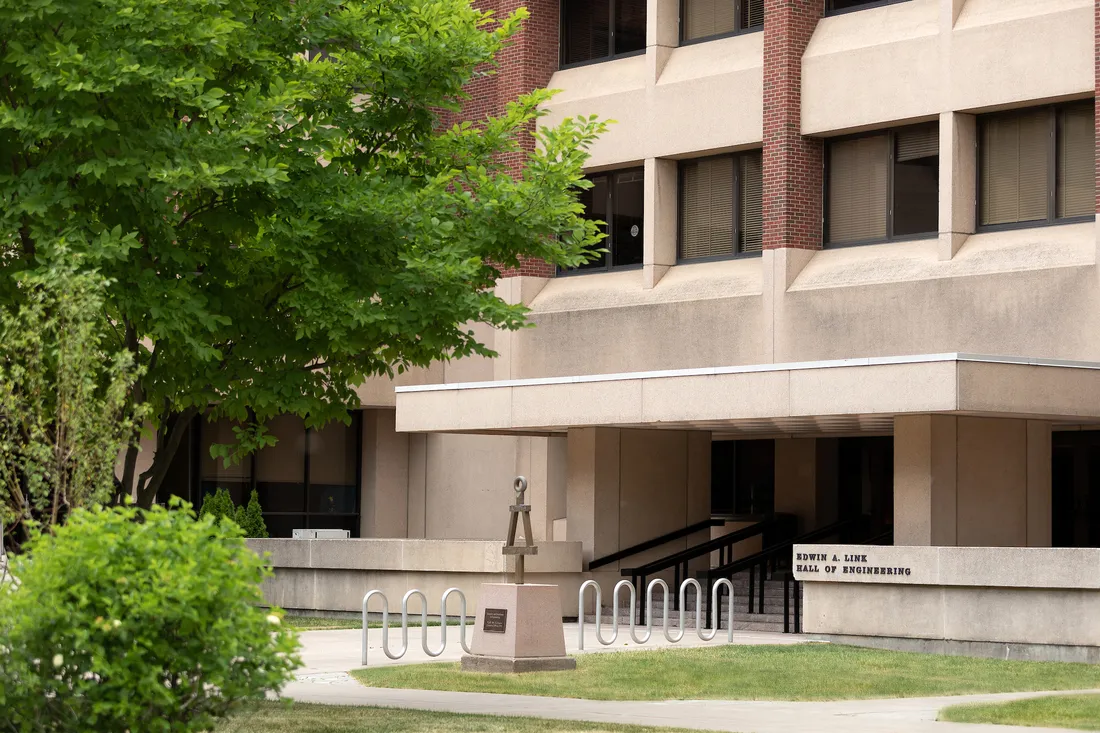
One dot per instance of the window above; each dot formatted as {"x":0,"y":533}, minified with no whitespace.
{"x":706,"y":19}
{"x":617,"y":199}
{"x":843,"y":6}
{"x":308,"y":480}
{"x":598,"y":30}
{"x":1037,"y":165}
{"x":884,"y":186}
{"x":721,"y":206}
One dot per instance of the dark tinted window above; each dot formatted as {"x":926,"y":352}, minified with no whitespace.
{"x":703,"y":19}
{"x":600,"y":30}
{"x":628,"y":201}
{"x":883,"y":185}
{"x":1038,"y":165}
{"x":586,"y":30}
{"x":618,"y":200}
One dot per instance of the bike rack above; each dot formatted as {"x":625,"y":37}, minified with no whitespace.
{"x":423,"y":623}
{"x":673,"y":639}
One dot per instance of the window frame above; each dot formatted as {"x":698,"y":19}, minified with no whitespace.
{"x":737,"y":6}
{"x":612,"y":56}
{"x":198,"y":495}
{"x":608,"y":241}
{"x":831,"y":11}
{"x":890,"y":238}
{"x":1052,"y":219}
{"x":736,"y":156}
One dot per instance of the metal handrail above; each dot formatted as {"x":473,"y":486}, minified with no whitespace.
{"x":770,"y":555}
{"x":656,"y":542}
{"x":705,"y":548}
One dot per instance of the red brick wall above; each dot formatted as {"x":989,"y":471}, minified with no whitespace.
{"x":526,"y":64}
{"x":793,"y":164}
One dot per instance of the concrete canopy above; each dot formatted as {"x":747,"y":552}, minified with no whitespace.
{"x":849,"y":395}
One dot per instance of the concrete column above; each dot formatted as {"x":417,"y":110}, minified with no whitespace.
{"x":805,"y":481}
{"x":418,"y":476}
{"x":662,"y":35}
{"x":628,"y":486}
{"x":1039,"y":489}
{"x":924,"y":480}
{"x":958,"y":173}
{"x":971,"y":481}
{"x":385,"y":471}
{"x":660,"y":210}
{"x":557,"y":469}
{"x":592,"y":490}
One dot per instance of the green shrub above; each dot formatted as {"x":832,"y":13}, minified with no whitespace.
{"x":218,"y":505}
{"x":142,"y":622}
{"x":250,"y":518}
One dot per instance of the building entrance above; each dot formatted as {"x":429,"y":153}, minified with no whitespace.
{"x":1075,"y":488}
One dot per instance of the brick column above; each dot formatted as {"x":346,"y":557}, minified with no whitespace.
{"x":793,"y":164}
{"x":1096,"y":27}
{"x":526,"y":64}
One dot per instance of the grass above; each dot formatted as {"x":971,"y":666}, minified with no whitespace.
{"x":305,"y":718}
{"x":800,"y":672}
{"x":1081,"y":712}
{"x":318,"y":623}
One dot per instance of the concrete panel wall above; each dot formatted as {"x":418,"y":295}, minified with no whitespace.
{"x":628,"y":486}
{"x":971,"y":481}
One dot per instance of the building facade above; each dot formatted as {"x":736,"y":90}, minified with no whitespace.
{"x":851,"y":273}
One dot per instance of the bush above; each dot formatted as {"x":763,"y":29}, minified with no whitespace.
{"x":250,"y":518}
{"x":137,"y":621}
{"x":218,"y":505}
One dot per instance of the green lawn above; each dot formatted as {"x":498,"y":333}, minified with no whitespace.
{"x":1081,"y":712}
{"x":318,"y":623}
{"x":304,"y":718}
{"x":801,"y":672}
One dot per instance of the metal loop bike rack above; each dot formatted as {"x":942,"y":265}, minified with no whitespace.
{"x":673,"y":638}
{"x":423,"y":623}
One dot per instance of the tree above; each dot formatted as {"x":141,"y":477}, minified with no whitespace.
{"x":250,"y":517}
{"x":137,"y":621}
{"x":63,"y":400}
{"x":276,"y":226}
{"x":219,"y":506}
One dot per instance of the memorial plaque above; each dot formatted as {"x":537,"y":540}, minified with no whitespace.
{"x":496,"y":621}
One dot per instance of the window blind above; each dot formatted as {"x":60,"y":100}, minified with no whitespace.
{"x":704,"y":18}
{"x":586,"y":34}
{"x":706,"y":210}
{"x":1076,"y":161}
{"x":858,"y":188}
{"x":921,"y":141}
{"x":1014,"y":170}
{"x":752,"y":202}
{"x":752,"y":13}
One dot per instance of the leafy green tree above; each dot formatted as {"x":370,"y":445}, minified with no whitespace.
{"x":219,"y":506}
{"x":250,"y":517}
{"x":276,"y":227}
{"x":137,"y":621}
{"x":63,"y":399}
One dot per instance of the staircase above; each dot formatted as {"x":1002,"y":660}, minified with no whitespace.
{"x":770,"y":620}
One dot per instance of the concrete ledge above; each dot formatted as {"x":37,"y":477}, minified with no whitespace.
{"x":507,"y":665}
{"x":451,"y":556}
{"x":991,"y":650}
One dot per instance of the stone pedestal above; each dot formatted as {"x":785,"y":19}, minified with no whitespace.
{"x":518,"y":629}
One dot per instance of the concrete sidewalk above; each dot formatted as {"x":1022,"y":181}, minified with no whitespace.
{"x":329,"y":655}
{"x":339,"y":650}
{"x":916,"y":715}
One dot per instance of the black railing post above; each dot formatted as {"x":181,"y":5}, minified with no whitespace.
{"x":752,"y":586}
{"x":676,"y":588}
{"x":763,"y":582}
{"x":641,"y":599}
{"x":797,"y":607}
{"x":786,"y":604}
